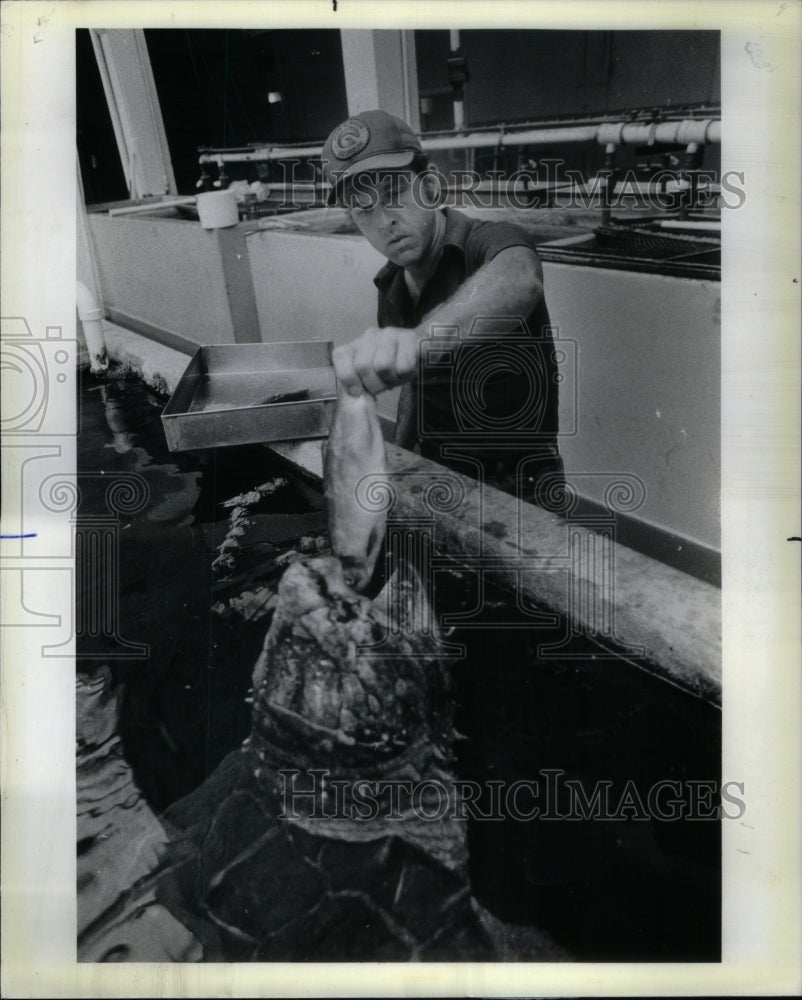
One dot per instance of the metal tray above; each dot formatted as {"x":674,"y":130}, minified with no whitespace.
{"x":221,"y":397}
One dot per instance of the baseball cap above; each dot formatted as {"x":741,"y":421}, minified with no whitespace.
{"x":371,"y":140}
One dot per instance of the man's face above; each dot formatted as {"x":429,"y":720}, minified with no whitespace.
{"x":395,"y":211}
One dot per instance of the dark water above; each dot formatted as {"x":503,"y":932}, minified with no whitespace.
{"x":184,"y":706}
{"x":624,"y":885}
{"x":606,"y":889}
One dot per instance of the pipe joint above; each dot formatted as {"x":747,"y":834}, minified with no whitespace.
{"x":611,"y":132}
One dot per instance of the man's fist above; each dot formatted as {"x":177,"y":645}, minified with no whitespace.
{"x":377,"y":360}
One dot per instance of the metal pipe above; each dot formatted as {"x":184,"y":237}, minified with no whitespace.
{"x":261,"y":153}
{"x":459,"y":104}
{"x":482,"y":140}
{"x":617,"y":133}
{"x":687,"y":131}
{"x":621,"y":133}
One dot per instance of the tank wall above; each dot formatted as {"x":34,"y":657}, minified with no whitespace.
{"x":645,"y":393}
{"x":164,"y":273}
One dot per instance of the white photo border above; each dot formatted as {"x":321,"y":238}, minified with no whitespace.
{"x":759,"y":505}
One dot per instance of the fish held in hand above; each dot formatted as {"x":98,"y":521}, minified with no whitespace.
{"x":355,"y":450}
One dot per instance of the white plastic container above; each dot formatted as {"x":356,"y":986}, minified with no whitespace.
{"x":218,"y":209}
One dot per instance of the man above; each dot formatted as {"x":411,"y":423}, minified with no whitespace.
{"x":463,"y":327}
{"x":488,"y":405}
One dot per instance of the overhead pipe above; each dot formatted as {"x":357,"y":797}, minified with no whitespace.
{"x":459,"y":104}
{"x":611,"y":133}
{"x":483,"y":140}
{"x":639,"y":134}
{"x":619,"y":133}
{"x":258,"y":154}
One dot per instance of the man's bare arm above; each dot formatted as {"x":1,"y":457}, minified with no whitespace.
{"x":511,"y":284}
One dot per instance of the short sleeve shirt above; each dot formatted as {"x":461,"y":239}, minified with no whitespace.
{"x":497,"y":379}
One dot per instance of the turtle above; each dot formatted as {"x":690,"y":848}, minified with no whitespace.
{"x":334,"y":832}
{"x":317,"y":847}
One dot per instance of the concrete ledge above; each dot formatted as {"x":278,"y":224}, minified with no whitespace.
{"x":159,"y":366}
{"x":659,"y":618}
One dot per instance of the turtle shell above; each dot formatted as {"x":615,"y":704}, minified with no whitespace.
{"x":254,"y":887}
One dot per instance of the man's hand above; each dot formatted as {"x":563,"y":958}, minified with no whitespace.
{"x":377,"y":360}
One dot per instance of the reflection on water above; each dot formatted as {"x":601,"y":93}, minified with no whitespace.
{"x":120,"y":842}
{"x":183,"y":707}
{"x":150,"y":730}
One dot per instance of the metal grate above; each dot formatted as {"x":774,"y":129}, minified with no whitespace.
{"x":638,"y":246}
{"x":650,"y":245}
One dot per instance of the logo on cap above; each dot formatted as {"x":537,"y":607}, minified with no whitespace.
{"x":350,"y":138}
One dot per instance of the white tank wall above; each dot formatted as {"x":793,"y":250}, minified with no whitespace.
{"x":310,"y":286}
{"x":648,"y":388}
{"x":166,"y":273}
